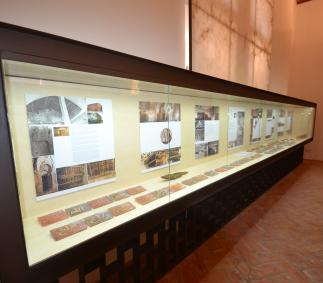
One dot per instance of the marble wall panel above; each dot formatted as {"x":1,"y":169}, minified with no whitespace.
{"x":218,"y":46}
{"x":264,"y":23}
{"x":261,"y":69}
{"x":241,"y":60}
{"x":200,"y":40}
{"x":244,"y":18}
{"x":231,"y":39}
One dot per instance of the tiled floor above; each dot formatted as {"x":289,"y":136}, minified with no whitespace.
{"x":277,"y":239}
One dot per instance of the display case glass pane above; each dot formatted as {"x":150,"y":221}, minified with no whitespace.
{"x":224,"y":134}
{"x":93,"y":152}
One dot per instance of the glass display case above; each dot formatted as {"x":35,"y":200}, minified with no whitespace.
{"x":93,"y":152}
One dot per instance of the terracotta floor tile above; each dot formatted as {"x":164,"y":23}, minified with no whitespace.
{"x":217,"y":275}
{"x":277,"y":278}
{"x":276,"y":239}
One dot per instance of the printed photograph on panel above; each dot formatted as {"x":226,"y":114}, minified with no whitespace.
{"x":160,"y":134}
{"x":71,"y":177}
{"x":235,"y":127}
{"x":61,"y":131}
{"x":44,"y":175}
{"x":199,"y":130}
{"x":281,"y":122}
{"x":173,"y":111}
{"x":255,"y":125}
{"x":159,"y":112}
{"x":44,"y":110}
{"x":152,"y":111}
{"x":206,"y":112}
{"x":41,"y":140}
{"x":270,"y":123}
{"x":201,"y":150}
{"x":76,"y":109}
{"x":101,"y":170}
{"x":290,"y":115}
{"x":212,"y":148}
{"x":60,"y":127}
{"x":240,"y":128}
{"x":95,"y":113}
{"x":51,"y":109}
{"x":154,"y":158}
{"x":174,"y":155}
{"x":161,"y":157}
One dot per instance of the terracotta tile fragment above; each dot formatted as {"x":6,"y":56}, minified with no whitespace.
{"x":68,"y":230}
{"x":147,"y":198}
{"x":118,"y":196}
{"x":78,"y":209}
{"x":121,"y":208}
{"x":176,"y":187}
{"x":96,"y":203}
{"x":199,"y":178}
{"x":97,"y":218}
{"x":52,"y":218}
{"x":135,"y":190}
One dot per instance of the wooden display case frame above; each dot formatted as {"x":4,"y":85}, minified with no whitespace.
{"x":35,"y":47}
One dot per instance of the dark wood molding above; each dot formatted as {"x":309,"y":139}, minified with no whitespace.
{"x":41,"y":48}
{"x":190,"y":19}
{"x":13,"y":259}
{"x":302,"y":1}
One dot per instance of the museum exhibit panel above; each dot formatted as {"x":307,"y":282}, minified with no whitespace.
{"x":96,"y":149}
{"x":80,"y":174}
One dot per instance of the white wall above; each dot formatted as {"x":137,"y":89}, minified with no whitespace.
{"x":153,"y":29}
{"x":306,"y":73}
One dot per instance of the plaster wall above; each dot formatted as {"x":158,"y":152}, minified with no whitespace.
{"x":144,"y":28}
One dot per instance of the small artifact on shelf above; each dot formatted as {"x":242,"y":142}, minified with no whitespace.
{"x":68,"y":230}
{"x":228,"y":167}
{"x":240,"y":162}
{"x":121,"y":208}
{"x":272,"y":151}
{"x":210,"y":173}
{"x":97,"y":218}
{"x":135,"y":190}
{"x":199,"y":178}
{"x":236,"y":163}
{"x":258,"y":155}
{"x":147,"y":198}
{"x":118,"y":196}
{"x":301,"y":136}
{"x":174,"y":176}
{"x":52,"y":218}
{"x":96,"y":203}
{"x":221,"y":169}
{"x":161,"y":193}
{"x":189,"y":182}
{"x":78,"y":209}
{"x":176,"y":187}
